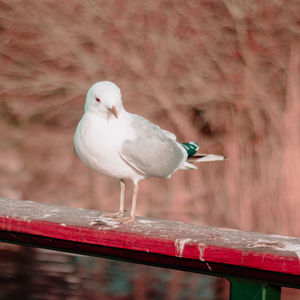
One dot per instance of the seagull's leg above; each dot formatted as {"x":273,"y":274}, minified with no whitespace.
{"x":133,"y":206}
{"x":120,"y":213}
{"x":134,"y":197}
{"x":122,"y":197}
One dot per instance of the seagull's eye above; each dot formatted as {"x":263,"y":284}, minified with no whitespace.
{"x":98,"y":100}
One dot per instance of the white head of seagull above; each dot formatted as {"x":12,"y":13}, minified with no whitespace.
{"x":123,"y":145}
{"x":104,"y":98}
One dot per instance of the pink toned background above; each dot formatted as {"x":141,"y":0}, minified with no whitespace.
{"x":223,"y":73}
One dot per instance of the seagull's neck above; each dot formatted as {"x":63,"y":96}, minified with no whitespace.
{"x":121,"y":110}
{"x":107,"y":116}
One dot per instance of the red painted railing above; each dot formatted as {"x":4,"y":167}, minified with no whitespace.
{"x":249,"y":260}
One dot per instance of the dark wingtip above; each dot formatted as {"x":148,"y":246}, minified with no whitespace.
{"x":191,"y":148}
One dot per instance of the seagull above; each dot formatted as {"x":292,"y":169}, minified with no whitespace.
{"x":124,"y":145}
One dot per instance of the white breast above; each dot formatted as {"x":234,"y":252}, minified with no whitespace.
{"x":98,"y":143}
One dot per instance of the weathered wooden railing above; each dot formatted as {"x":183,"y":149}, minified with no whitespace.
{"x":257,"y":265}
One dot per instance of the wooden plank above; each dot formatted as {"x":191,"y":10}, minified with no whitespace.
{"x":209,"y":250}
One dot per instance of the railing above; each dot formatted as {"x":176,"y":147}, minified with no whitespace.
{"x":257,"y":265}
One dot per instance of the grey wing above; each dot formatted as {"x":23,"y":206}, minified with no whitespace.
{"x":169,"y":134}
{"x":153,"y":152}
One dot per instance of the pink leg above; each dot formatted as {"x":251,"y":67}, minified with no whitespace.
{"x":125,"y":220}
{"x":120,"y":213}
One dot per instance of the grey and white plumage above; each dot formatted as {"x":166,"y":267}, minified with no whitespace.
{"x":120,"y":144}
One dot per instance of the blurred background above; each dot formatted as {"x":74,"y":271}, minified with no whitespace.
{"x":223,"y":73}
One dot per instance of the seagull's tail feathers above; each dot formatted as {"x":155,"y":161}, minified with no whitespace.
{"x":192,"y":147}
{"x":188,"y":166}
{"x":205,"y":158}
{"x":193,"y":157}
{"x":200,"y":158}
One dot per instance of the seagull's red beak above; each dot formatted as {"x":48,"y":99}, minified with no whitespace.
{"x":114,"y":111}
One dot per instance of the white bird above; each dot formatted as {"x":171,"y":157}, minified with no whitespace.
{"x":123,"y":145}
